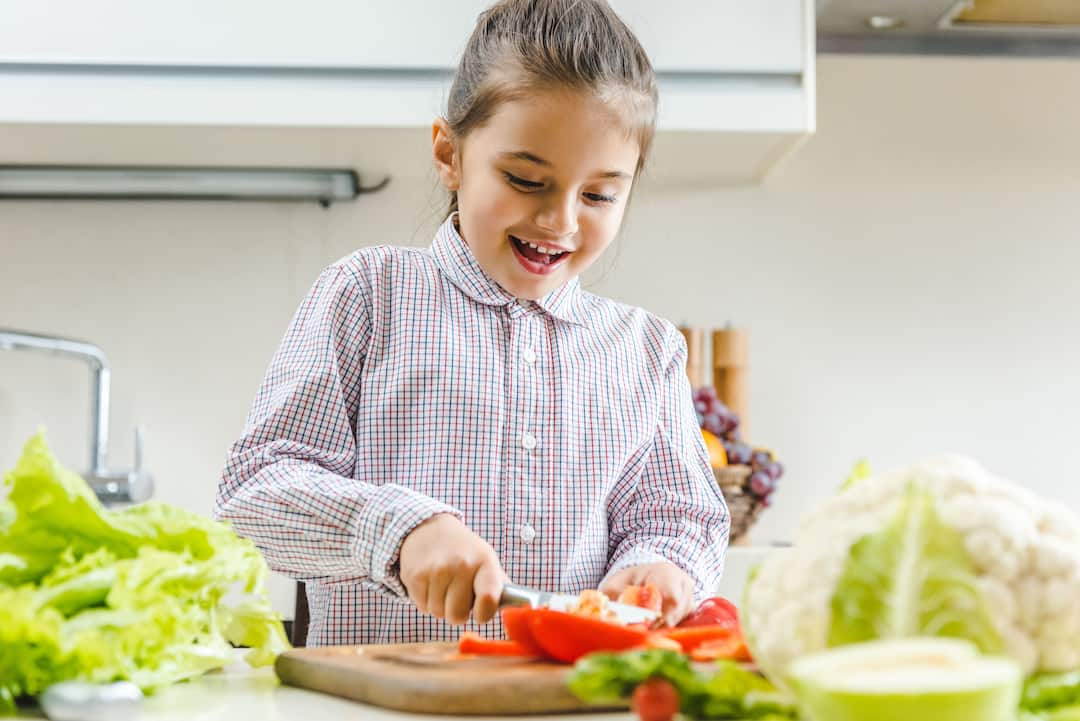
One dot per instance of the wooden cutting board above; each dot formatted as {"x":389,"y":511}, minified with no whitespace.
{"x":432,"y":678}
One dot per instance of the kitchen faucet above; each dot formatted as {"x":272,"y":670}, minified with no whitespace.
{"x":111,"y":486}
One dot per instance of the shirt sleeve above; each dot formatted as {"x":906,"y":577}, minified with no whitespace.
{"x":290,"y":483}
{"x":675,"y":511}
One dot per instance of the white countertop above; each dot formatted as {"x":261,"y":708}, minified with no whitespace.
{"x":240,"y":693}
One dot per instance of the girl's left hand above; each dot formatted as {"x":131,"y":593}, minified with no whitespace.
{"x":675,"y":586}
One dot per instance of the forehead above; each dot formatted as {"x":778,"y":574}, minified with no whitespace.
{"x":573,"y":131}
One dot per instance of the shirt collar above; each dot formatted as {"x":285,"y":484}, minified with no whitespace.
{"x":457,"y":262}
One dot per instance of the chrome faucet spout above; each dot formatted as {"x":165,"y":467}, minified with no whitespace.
{"x":112,"y":486}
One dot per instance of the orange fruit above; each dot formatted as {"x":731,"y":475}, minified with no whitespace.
{"x":717,"y":454}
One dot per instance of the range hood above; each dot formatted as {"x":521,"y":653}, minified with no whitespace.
{"x":1031,"y":28}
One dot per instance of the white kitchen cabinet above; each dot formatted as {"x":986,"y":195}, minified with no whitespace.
{"x":737,"y":74}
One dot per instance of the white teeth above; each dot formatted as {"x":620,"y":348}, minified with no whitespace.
{"x":541,"y":249}
{"x":538,"y":248}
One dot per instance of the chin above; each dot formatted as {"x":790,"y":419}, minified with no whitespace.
{"x":531,"y":291}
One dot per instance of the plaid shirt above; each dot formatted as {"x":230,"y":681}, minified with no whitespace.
{"x":409,"y":383}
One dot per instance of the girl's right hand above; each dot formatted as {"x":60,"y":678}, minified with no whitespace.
{"x":448,"y":570}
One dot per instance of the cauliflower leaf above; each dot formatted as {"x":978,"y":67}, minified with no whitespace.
{"x":913,"y":578}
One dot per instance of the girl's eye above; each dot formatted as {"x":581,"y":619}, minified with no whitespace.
{"x":531,"y":185}
{"x":521,"y":182}
{"x":600,"y":198}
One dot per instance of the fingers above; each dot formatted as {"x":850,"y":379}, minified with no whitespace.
{"x":449,"y":571}
{"x":675,"y":586}
{"x":438,"y":583}
{"x":487,"y":587}
{"x":679,"y":603}
{"x":678,"y":597}
{"x":452,"y":593}
{"x":417,"y":590}
{"x":459,"y":598}
{"x":617,"y":582}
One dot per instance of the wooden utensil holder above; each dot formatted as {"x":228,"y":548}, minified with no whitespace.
{"x":697,"y":368}
{"x":730,"y":367}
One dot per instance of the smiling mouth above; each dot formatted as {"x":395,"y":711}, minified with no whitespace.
{"x":535,"y":260}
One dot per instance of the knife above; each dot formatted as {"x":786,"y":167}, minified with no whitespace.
{"x":515,"y":595}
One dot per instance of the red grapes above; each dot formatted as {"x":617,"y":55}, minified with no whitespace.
{"x":722,"y":422}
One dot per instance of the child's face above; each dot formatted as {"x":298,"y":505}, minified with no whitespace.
{"x":554,"y":171}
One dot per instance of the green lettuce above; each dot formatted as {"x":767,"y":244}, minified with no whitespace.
{"x":724,"y":691}
{"x":912,"y":578}
{"x":1051,"y":697}
{"x":151,"y":593}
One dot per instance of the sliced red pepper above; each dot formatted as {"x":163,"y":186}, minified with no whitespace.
{"x":692,"y":637}
{"x":712,"y":612}
{"x":733,"y":648}
{"x":567,"y":637}
{"x":472,"y":643}
{"x":516,"y":622}
{"x":660,"y":640}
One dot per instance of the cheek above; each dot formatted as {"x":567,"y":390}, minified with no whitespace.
{"x":492,"y":203}
{"x":601,"y":229}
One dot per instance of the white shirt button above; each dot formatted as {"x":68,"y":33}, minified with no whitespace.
{"x":529,"y":355}
{"x":527,"y":533}
{"x":528,"y":441}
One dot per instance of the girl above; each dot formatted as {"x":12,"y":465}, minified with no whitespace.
{"x":439,"y":421}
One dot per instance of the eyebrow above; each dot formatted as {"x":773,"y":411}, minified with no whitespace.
{"x":529,"y":157}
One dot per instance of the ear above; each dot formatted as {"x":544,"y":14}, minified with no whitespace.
{"x":445,"y":152}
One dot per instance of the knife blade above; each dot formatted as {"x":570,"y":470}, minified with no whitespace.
{"x":515,"y":595}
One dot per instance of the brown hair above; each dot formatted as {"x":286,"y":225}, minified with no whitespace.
{"x":522,"y":45}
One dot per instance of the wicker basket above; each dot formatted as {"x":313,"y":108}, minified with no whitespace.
{"x":742,"y":506}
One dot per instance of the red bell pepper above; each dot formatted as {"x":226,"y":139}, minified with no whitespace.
{"x":660,"y":640}
{"x":474,"y":644}
{"x":716,"y":611}
{"x":734,"y":647}
{"x":516,"y":622}
{"x":692,"y":637}
{"x":567,"y":637}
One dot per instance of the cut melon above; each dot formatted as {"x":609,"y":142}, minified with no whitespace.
{"x":909,"y":679}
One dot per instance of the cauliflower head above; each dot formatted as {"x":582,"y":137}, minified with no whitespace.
{"x":939,"y":548}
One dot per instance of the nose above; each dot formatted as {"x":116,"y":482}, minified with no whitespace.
{"x":558,"y":215}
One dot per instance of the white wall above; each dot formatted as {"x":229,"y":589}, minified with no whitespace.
{"x":908,"y":278}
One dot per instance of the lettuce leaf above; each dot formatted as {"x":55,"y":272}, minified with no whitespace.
{"x":1051,"y":697}
{"x":1060,"y":713}
{"x":151,"y":593}
{"x":912,"y":578}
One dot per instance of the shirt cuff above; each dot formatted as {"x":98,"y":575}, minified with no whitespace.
{"x":386,"y":519}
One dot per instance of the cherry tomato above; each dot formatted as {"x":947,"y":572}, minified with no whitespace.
{"x":655,"y":700}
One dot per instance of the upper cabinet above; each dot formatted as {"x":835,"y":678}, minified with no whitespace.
{"x":736,"y":76}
